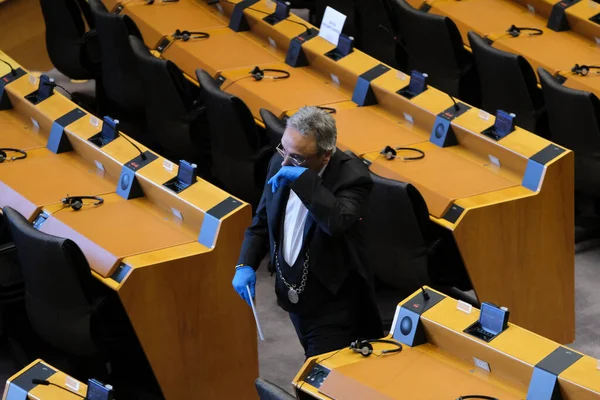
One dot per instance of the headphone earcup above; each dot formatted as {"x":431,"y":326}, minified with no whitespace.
{"x":365,"y":349}
{"x":2,"y":156}
{"x":185,"y":36}
{"x":76,"y":204}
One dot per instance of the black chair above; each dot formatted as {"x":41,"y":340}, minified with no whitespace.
{"x":435,"y":47}
{"x":175,"y":116}
{"x":274,"y":127}
{"x":72,"y":50}
{"x":123,"y":92}
{"x":240,"y":154}
{"x":269,"y":391}
{"x":509,"y":83}
{"x":405,"y":249}
{"x":376,"y":33}
{"x":574,"y":120}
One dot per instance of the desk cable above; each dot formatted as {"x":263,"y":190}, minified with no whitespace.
{"x":234,"y":81}
{"x":476,"y":396}
{"x":213,"y":2}
{"x":13,"y":71}
{"x":48,"y":383}
{"x":56,"y":85}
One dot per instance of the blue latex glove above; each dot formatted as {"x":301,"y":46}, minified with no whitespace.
{"x":244,"y":276}
{"x":285,"y":176}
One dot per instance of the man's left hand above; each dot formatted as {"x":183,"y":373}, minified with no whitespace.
{"x":285,"y":176}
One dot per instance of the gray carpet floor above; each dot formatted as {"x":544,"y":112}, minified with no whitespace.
{"x":281,"y":356}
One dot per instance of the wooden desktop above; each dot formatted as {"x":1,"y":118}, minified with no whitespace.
{"x":450,"y":363}
{"x":169,"y":256}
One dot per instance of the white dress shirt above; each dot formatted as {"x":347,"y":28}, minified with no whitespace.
{"x":293,"y":227}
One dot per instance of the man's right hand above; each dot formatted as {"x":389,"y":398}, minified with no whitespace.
{"x":244,"y":276}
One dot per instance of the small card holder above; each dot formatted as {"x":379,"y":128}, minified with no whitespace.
{"x":493,"y":320}
{"x":344,"y":47}
{"x":282,"y":11}
{"x":504,"y":125}
{"x":44,"y":91}
{"x":109,"y":132}
{"x":185,"y":178}
{"x":417,"y":85}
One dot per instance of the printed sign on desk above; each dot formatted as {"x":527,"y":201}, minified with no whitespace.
{"x":332,"y":25}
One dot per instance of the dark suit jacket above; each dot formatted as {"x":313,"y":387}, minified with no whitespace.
{"x":336,"y":203}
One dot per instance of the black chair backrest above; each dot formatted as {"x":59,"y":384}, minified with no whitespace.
{"x":574,"y":116}
{"x":376,"y":41}
{"x":121,"y":82}
{"x":507,"y":83}
{"x":170,"y":104}
{"x":274,"y":127}
{"x":58,"y":286}
{"x":234,"y":138}
{"x":269,"y":391}
{"x":65,"y":31}
{"x":397,"y":227}
{"x":434,"y":45}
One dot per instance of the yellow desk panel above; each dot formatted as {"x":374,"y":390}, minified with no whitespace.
{"x":117,"y":229}
{"x":281,"y":95}
{"x":19,"y":132}
{"x":224,"y":50}
{"x":160,"y":19}
{"x":45,"y":178}
{"x":442,"y":176}
{"x":364,"y":130}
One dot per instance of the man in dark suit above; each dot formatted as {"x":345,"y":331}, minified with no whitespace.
{"x":309,"y":217}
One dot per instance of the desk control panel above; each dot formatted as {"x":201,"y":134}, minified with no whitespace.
{"x":317,"y":376}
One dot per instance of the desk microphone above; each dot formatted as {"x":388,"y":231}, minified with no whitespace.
{"x":456,"y":106}
{"x":142,"y":155}
{"x":13,"y":71}
{"x":47,"y":383}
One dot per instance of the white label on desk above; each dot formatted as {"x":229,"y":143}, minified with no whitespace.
{"x":273,"y":43}
{"x":177,"y":213}
{"x":531,"y":8}
{"x":335,"y":79}
{"x":32,"y":79}
{"x":168,"y":165}
{"x":464,"y":307}
{"x":71,"y":383}
{"x":220,"y":8}
{"x":484,"y":115}
{"x":409,"y":118}
{"x":401,"y":75}
{"x":481,"y":364}
{"x":332,"y":25}
{"x":36,"y":125}
{"x":494,"y":160}
{"x":94,"y":121}
{"x":99,"y":165}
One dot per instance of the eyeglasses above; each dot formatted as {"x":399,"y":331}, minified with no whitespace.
{"x":295,"y":159}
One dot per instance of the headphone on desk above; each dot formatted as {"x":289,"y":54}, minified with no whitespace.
{"x":476,"y":396}
{"x":391,"y":153}
{"x":365,"y":348}
{"x":4,"y":157}
{"x":583,"y":70}
{"x":259,"y":74}
{"x":187,"y":35}
{"x":76,"y":202}
{"x":515,"y":31}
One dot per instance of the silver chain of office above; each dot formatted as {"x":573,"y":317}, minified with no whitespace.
{"x":293,"y":291}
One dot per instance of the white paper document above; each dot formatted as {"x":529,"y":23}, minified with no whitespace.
{"x":332,"y":25}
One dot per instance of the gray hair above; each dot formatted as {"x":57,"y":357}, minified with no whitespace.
{"x":313,"y":121}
